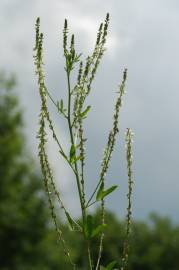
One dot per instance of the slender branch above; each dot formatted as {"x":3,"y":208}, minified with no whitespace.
{"x":72,"y":142}
{"x":46,"y":177}
{"x":126,"y":247}
{"x":87,"y":206}
{"x":55,"y":103}
{"x":108,"y":154}
{"x":56,"y":192}
{"x":94,"y":192}
{"x":111,"y":138}
{"x":89,"y":256}
{"x":100,"y":251}
{"x":76,"y":168}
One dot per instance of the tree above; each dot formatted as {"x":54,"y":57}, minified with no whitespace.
{"x":25,"y":230}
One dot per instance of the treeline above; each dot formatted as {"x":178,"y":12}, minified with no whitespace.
{"x":27,"y":236}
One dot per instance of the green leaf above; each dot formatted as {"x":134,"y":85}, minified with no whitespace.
{"x":98,"y":230}
{"x":111,"y":265}
{"x":72,"y":154}
{"x":72,"y":223}
{"x":58,"y":105}
{"x":84,"y":113}
{"x":73,"y":157}
{"x":77,"y":158}
{"x":90,"y":229}
{"x":61,"y":104}
{"x":109,"y":190}
{"x":88,"y":226}
{"x":103,"y":193}
{"x":70,"y":220}
{"x":100,"y":192}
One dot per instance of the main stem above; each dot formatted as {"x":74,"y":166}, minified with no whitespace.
{"x":72,"y":142}
{"x":83,"y":210}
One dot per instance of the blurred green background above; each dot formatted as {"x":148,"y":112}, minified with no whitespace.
{"x":27,"y":236}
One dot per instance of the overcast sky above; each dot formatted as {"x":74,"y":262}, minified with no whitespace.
{"x":144,"y":38}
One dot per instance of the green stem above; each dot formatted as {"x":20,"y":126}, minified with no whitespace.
{"x":87,"y":206}
{"x":72,"y":142}
{"x":83,"y":210}
{"x":100,"y":180}
{"x":89,"y":256}
{"x":88,"y":203}
{"x":53,"y":101}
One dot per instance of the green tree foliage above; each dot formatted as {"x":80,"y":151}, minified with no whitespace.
{"x":154,"y":244}
{"x":25,"y":231}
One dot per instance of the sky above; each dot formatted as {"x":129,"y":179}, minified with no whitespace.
{"x":143,"y":37}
